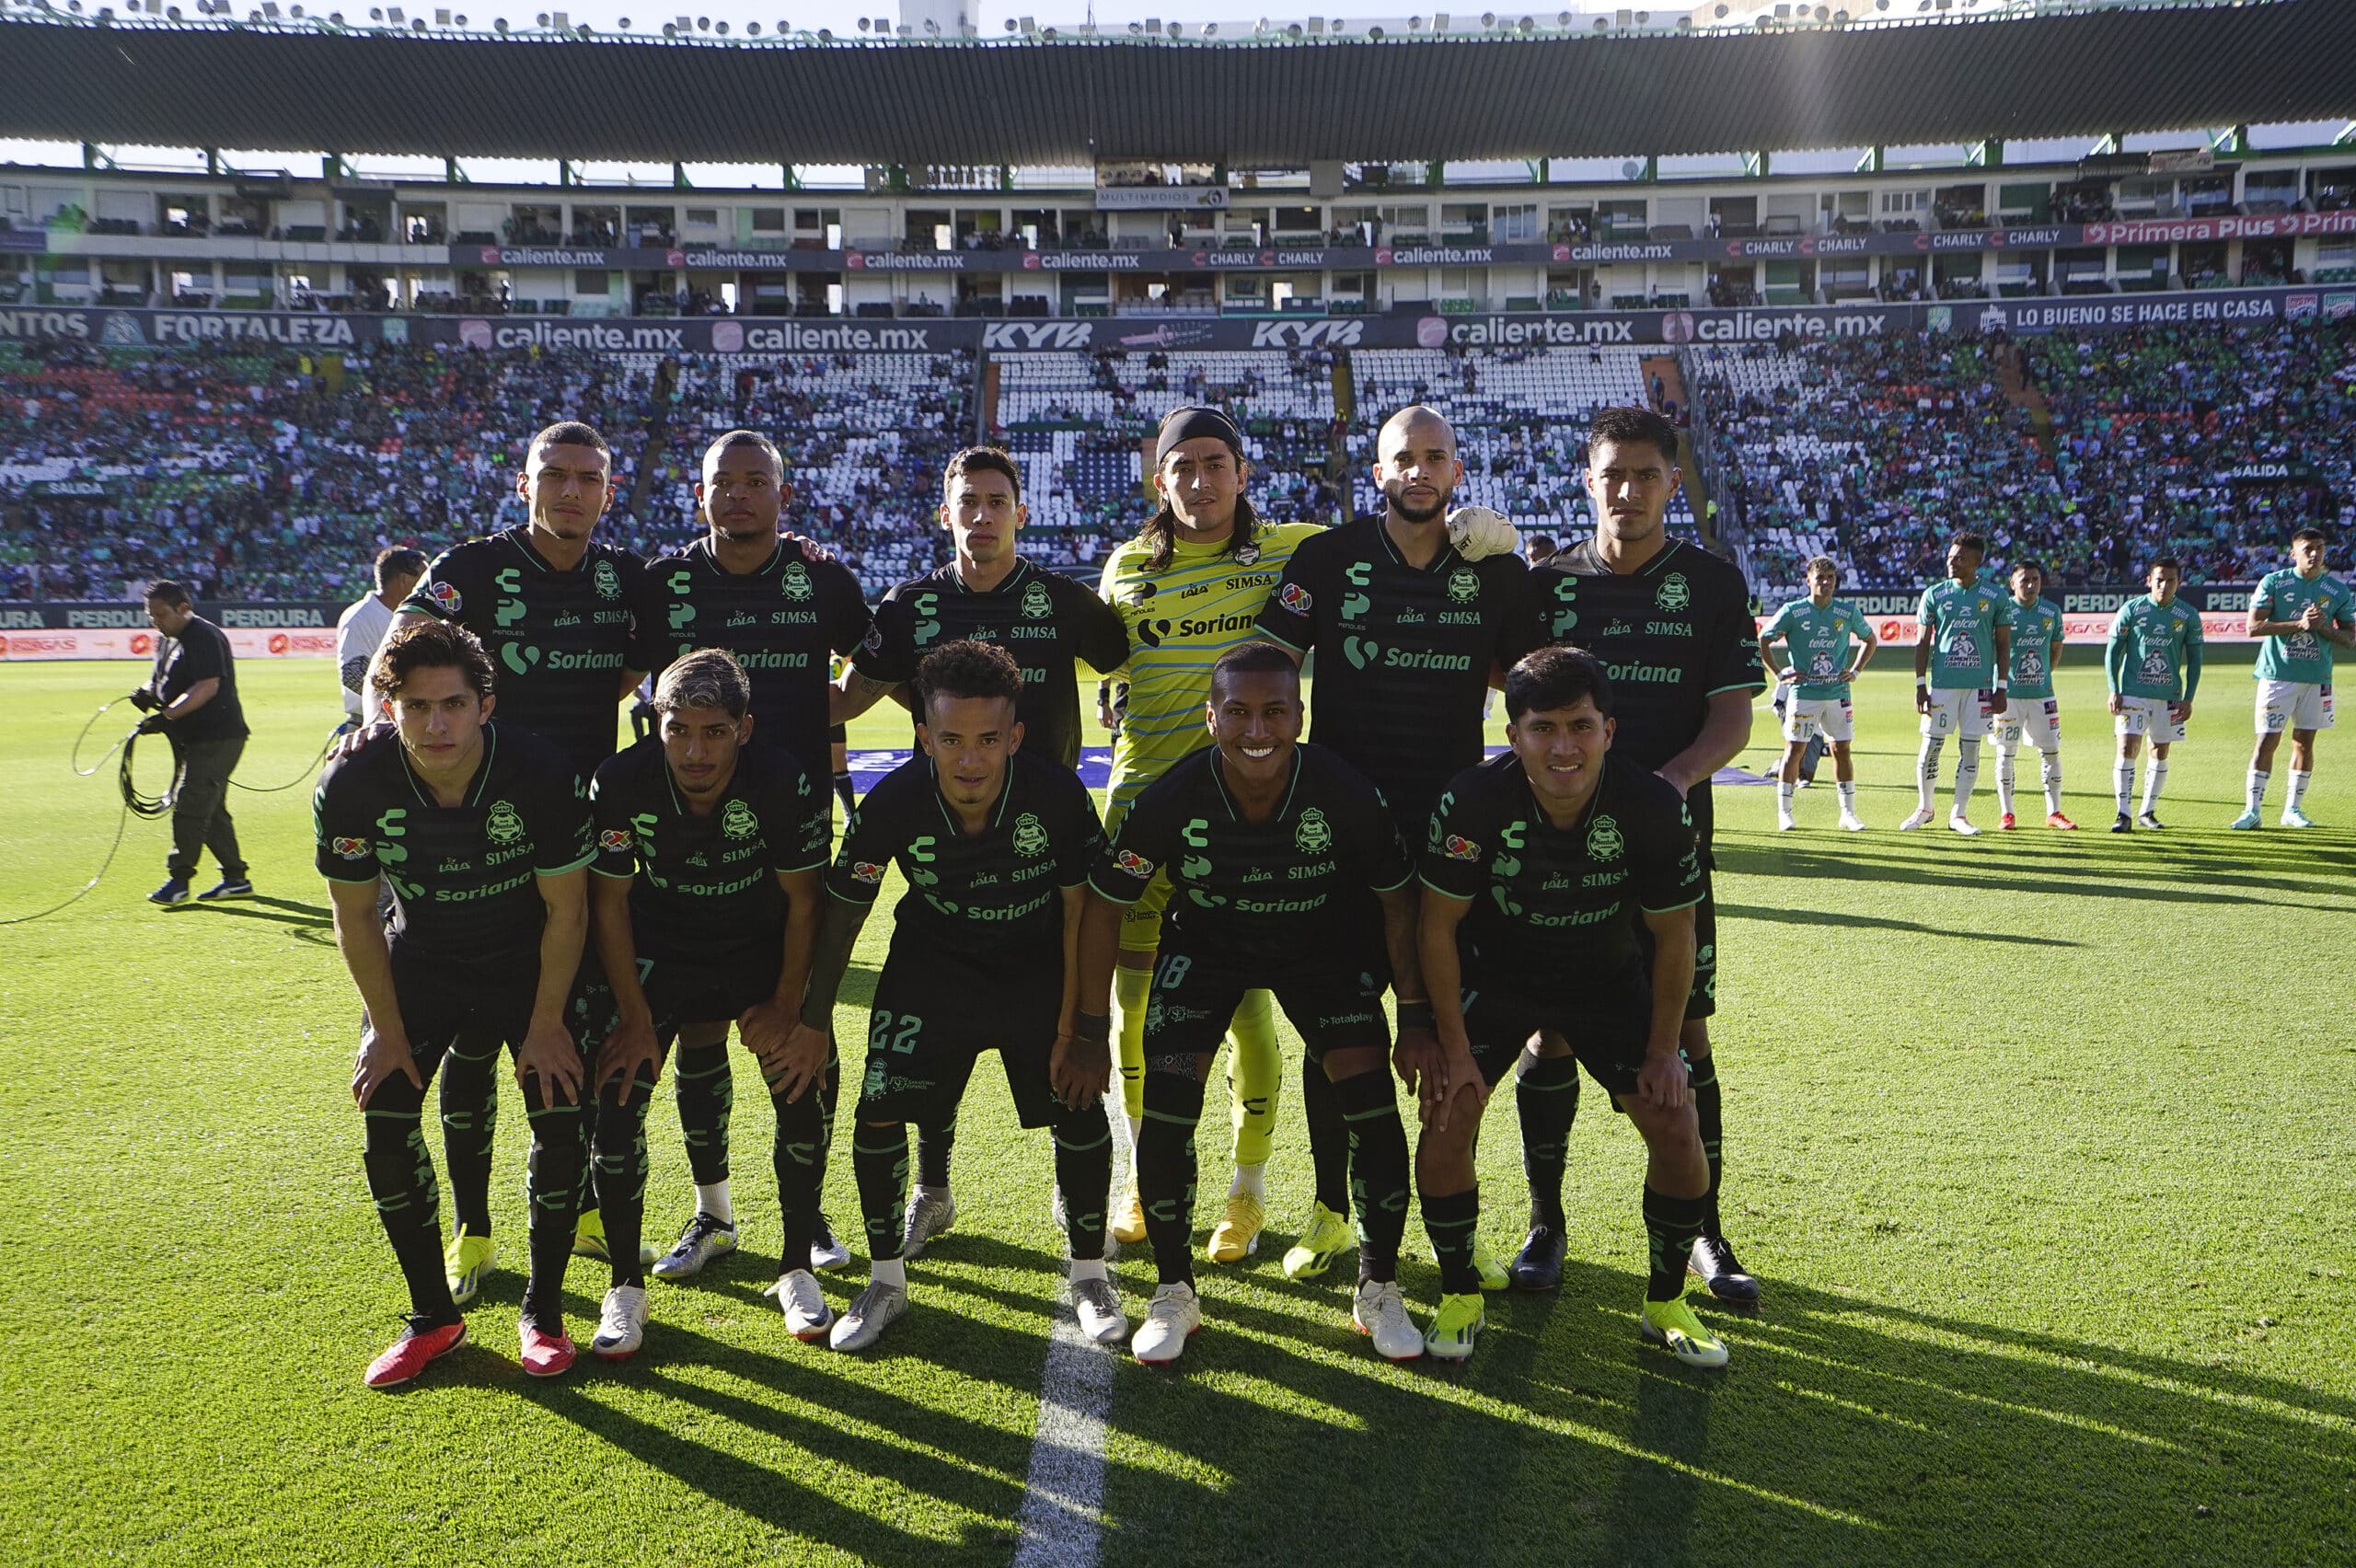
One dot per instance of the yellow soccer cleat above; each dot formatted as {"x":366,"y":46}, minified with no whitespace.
{"x":1673,"y":1327}
{"x":1457,"y":1324}
{"x":1492,"y":1272}
{"x":465,"y":1263}
{"x":1237,"y":1235}
{"x":1128,"y":1217}
{"x":1326,"y":1237}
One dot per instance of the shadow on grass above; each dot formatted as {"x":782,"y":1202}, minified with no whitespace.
{"x":1877,"y":923}
{"x":2101,"y":876}
{"x":283,"y":911}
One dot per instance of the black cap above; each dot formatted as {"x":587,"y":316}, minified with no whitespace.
{"x":1192,"y":423}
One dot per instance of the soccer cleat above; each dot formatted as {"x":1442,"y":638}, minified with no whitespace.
{"x":807,"y":1316}
{"x":1539,"y":1264}
{"x":1714,"y":1263}
{"x":408,"y":1355}
{"x":1097,"y":1304}
{"x":878,"y":1307}
{"x":2294,"y":817}
{"x":589,"y":1239}
{"x":1128,"y":1215}
{"x":2005,"y":823}
{"x":1454,"y":1327}
{"x":2122,"y":823}
{"x":1852,"y":822}
{"x":1174,"y":1313}
{"x":2149,"y":823}
{"x":2055,"y":819}
{"x":1237,"y":1235}
{"x":1673,"y":1327}
{"x":465,"y":1263}
{"x":1327,"y":1238}
{"x":1919,"y":819}
{"x":1784,"y":824}
{"x":226,"y":888}
{"x":931,"y":1211}
{"x":1379,"y":1312}
{"x":1960,"y":823}
{"x":826,"y":1254}
{"x":546,"y":1355}
{"x":1492,"y":1272}
{"x":621,"y":1324}
{"x":705,"y":1237}
{"x":172,"y":894}
{"x":2246,"y":822}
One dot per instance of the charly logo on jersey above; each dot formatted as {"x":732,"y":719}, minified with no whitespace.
{"x":1604,"y":840}
{"x":1463,"y":585}
{"x":1311,"y":835}
{"x":509,"y":608}
{"x":794,"y":582}
{"x":609,"y":581}
{"x":1030,"y":833}
{"x":1295,"y":598}
{"x":505,"y":824}
{"x":1674,"y":594}
{"x":738,"y":820}
{"x":1036,"y":602}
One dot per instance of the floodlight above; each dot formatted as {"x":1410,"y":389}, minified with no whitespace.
{"x":1210,"y":29}
{"x":862,"y":24}
{"x":1488,"y":19}
{"x":826,"y":35}
{"x":1177,"y":29}
{"x":394,"y":16}
{"x":1374,"y":35}
{"x":1293,"y":31}
{"x":752,"y":30}
{"x":1528,"y":24}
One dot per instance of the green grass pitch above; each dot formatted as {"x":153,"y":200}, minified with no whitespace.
{"x":2040,"y":1143}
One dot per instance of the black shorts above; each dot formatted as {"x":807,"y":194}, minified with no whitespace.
{"x":1194,"y":996}
{"x":933,"y":1016}
{"x":1701,"y":1001}
{"x":1607,"y":1026}
{"x":681,"y":992}
{"x":443,"y":1003}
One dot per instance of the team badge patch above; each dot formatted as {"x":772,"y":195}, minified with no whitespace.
{"x":1604,"y":840}
{"x":738,"y":820}
{"x":352,"y":849}
{"x":609,"y":580}
{"x":1134,"y":864}
{"x":1249,"y":555}
{"x":1463,"y":585}
{"x":1460,"y":848}
{"x":867,"y":872}
{"x":1030,"y":833}
{"x":505,"y":824}
{"x":1312,"y":836}
{"x":614,"y":839}
{"x":446,"y":596}
{"x":794,"y":582}
{"x":1295,"y":598}
{"x":1675,"y":593}
{"x":1036,"y":602}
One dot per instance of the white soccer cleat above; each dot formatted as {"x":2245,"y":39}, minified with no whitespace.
{"x":878,"y":1307}
{"x":931,"y":1211}
{"x":827,"y":1253}
{"x":1097,"y":1305}
{"x":807,"y":1316}
{"x":1174,"y":1313}
{"x":1962,"y":825}
{"x":1785,"y":823}
{"x":1919,"y":819}
{"x":1379,"y":1312}
{"x":1852,"y":822}
{"x":621,"y":1324}
{"x":2295,"y":818}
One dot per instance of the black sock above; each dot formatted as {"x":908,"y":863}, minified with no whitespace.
{"x":843,"y":793}
{"x":1546,"y":1098}
{"x":1165,"y":1157}
{"x":1452,"y":1220}
{"x":705,"y":1089}
{"x":469,"y":1118}
{"x":1672,"y":1226}
{"x":1329,"y":1139}
{"x":408,"y":1198}
{"x":805,"y":1129}
{"x":1084,"y":1175}
{"x":1378,"y":1172}
{"x":934,"y":1146}
{"x":879,"y":1163}
{"x":1705,"y":1113}
{"x":620,"y":1168}
{"x":552,"y":1183}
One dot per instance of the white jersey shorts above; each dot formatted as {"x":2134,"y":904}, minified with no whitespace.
{"x":2149,"y":717}
{"x":1956,"y":710}
{"x":2035,"y":719}
{"x":2294,"y":705}
{"x":1805,"y":718}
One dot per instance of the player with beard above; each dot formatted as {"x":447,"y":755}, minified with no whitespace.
{"x":1409,"y":630}
{"x":1673,"y":626}
{"x":783,"y":609}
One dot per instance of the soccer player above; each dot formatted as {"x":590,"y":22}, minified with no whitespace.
{"x":190,"y":698}
{"x":361,"y":629}
{"x":1288,"y":875}
{"x":1818,"y":633}
{"x":479,"y":828}
{"x":783,"y":610}
{"x":1963,"y":621}
{"x":1673,"y":627}
{"x":2301,"y":615}
{"x":2152,"y":666}
{"x":1407,"y":633}
{"x":1560,"y":881}
{"x":2031,"y":709}
{"x":996,"y":844}
{"x":711,"y":843}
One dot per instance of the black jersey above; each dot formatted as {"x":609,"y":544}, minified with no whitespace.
{"x":1043,"y":618}
{"x":783,"y":621}
{"x":201,"y":651}
{"x":1403,"y":652}
{"x":1295,"y":890}
{"x":560,"y":640}
{"x":705,"y":889}
{"x":1553,"y":905}
{"x":461,"y":875}
{"x":1672,"y":634}
{"x":979,"y":895}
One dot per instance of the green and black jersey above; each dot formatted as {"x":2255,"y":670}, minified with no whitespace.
{"x":462,"y":876}
{"x":1403,"y":652}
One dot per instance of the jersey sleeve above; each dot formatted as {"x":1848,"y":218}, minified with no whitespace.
{"x":847,"y":617}
{"x":798,"y":819}
{"x":341,"y":824}
{"x":2114,"y":650}
{"x":1290,"y":615}
{"x":1147,"y":839}
{"x":609,"y":817}
{"x":888,"y":651}
{"x":1860,"y":628}
{"x":1457,"y":852}
{"x":2343,"y":603}
{"x":1926,"y":608}
{"x":1103,"y":638}
{"x":1777,"y":627}
{"x":1734,"y":663}
{"x":868,"y":842}
{"x":1383,"y":858}
{"x":1667,"y":864}
{"x":449,"y":584}
{"x":643,"y":590}
{"x":557,"y":818}
{"x":1082,"y":840}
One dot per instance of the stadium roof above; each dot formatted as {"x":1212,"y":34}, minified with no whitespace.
{"x":1255,"y":105}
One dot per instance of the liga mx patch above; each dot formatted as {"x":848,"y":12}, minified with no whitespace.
{"x":616,"y":839}
{"x":352,"y":849}
{"x":1295,"y":598}
{"x":446,"y":596}
{"x":867,"y":872}
{"x":1134,"y":864}
{"x":1460,"y":848}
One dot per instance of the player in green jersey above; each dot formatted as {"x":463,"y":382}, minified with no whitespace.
{"x":2301,"y":615}
{"x":2032,"y":711}
{"x":1818,"y":633}
{"x":2152,"y":665}
{"x":1963,"y":651}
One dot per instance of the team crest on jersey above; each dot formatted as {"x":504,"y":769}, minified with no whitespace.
{"x":867,"y":872}
{"x":1604,"y":840}
{"x":1463,"y":585}
{"x":1460,"y":849}
{"x":1036,"y":602}
{"x":1030,"y":833}
{"x":505,"y":824}
{"x":609,"y":580}
{"x":1134,"y":864}
{"x":1248,"y":554}
{"x":795,"y":582}
{"x":1312,"y":836}
{"x":738,"y":820}
{"x":614,"y":840}
{"x":446,"y":596}
{"x":352,"y":849}
{"x":1295,"y":598}
{"x":1675,"y":593}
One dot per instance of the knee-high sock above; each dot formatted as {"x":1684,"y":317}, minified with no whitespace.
{"x":933,"y":1147}
{"x":1967,"y":771}
{"x":2254,"y":791}
{"x":1378,"y":1170}
{"x":2297,"y":799}
{"x":618,"y":1157}
{"x":879,"y":1161}
{"x":843,"y":793}
{"x":469,"y":1117}
{"x":2122,"y":784}
{"x":2155,"y":774}
{"x":1084,"y":1175}
{"x":2005,"y":757}
{"x":1329,"y":1138}
{"x":1706,"y":1112}
{"x":1174,"y":1107}
{"x":1255,"y":1077}
{"x":1672,"y":1226}
{"x":1452,"y":1220}
{"x":806,"y":1129}
{"x":1926,"y":771}
{"x":705,"y":1087}
{"x":1130,"y":990}
{"x":552,"y":1183}
{"x":1546,"y":1099}
{"x":408,"y":1197}
{"x":2049,"y":769}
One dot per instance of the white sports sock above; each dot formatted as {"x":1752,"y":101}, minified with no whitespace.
{"x":1966,"y":772}
{"x":1926,"y":771}
{"x":1087,"y":1268}
{"x":889,"y":1271}
{"x":2155,"y":773}
{"x":2004,"y":760}
{"x":1784,"y":787}
{"x":2254,"y":793}
{"x":2048,"y":767}
{"x":713,"y":1201}
{"x":1849,"y":796}
{"x":2122,"y":782}
{"x":1251,"y":1179}
{"x":2299,"y":782}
